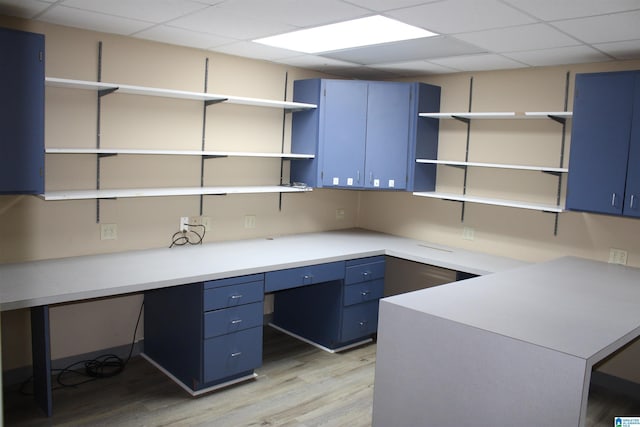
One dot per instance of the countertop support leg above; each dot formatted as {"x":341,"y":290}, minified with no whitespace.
{"x":41,"y":356}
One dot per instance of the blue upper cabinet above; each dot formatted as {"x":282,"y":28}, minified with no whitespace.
{"x":604,"y":165}
{"x":364,"y":134}
{"x":21,"y":112}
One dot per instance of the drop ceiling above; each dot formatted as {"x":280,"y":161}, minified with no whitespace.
{"x":474,"y":35}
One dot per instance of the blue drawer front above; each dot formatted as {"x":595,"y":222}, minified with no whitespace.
{"x":234,"y":281}
{"x":359,"y":321}
{"x":364,"y":269}
{"x":363,"y":292}
{"x":232,"y":354}
{"x":302,"y":276}
{"x":233,"y":319}
{"x":230,"y":296}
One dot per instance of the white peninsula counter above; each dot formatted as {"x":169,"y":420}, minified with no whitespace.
{"x":515,"y":347}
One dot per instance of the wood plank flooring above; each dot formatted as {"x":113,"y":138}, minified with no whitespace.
{"x":298,"y":385}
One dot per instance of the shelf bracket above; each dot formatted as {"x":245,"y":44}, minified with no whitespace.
{"x":105,"y":92}
{"x":102,"y":155}
{"x":561,"y":120}
{"x":213,"y":101}
{"x":214,"y":156}
{"x":462,"y":119}
{"x":554,"y":173}
{"x":284,"y":119}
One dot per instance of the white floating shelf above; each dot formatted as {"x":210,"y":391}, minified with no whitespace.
{"x":160,"y":192}
{"x":499,"y":115}
{"x":129,"y":151}
{"x":170,"y":93}
{"x":494,"y":165}
{"x":491,"y":201}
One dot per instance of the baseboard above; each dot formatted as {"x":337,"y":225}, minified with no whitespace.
{"x":16,"y":376}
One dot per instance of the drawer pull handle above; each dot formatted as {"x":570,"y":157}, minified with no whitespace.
{"x":365,"y":293}
{"x":235,"y":322}
{"x":236,"y":354}
{"x":236,"y":296}
{"x":307,"y":277}
{"x":363,"y":323}
{"x":366,"y":274}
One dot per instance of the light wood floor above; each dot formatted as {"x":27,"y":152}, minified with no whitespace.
{"x":297,"y":385}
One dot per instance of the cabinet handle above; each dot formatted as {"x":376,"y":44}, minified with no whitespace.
{"x":236,"y":354}
{"x":363,"y":323}
{"x":613,"y":199}
{"x":236,"y":296}
{"x":307,"y":277}
{"x":632,"y":201}
{"x":235,"y":322}
{"x":365,"y":293}
{"x":358,"y":176}
{"x":365,"y":274}
{"x":371,"y":178}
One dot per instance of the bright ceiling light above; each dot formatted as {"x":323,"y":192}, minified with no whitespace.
{"x":343,"y":35}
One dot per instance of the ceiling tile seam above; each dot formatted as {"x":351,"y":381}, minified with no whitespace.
{"x":167,"y":22}
{"x":46,"y":9}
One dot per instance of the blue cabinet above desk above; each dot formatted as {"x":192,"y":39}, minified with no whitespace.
{"x":604,"y":174}
{"x":364,"y":134}
{"x":21,"y":112}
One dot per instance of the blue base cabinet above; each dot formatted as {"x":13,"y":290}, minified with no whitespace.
{"x":337,"y":313}
{"x":364,"y":134}
{"x":604,"y":165}
{"x":206,"y":334}
{"x":21,"y":112}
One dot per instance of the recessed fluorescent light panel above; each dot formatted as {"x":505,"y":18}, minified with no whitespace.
{"x":344,"y":35}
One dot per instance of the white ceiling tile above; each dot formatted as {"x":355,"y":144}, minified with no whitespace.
{"x":144,"y":10}
{"x":601,"y":29}
{"x":552,"y":10}
{"x":408,"y":50}
{"x":561,"y":55}
{"x":621,"y":50}
{"x":232,"y":23}
{"x":484,"y":62}
{"x":255,"y":50}
{"x":297,"y":13}
{"x":384,"y":5}
{"x":462,"y":16}
{"x":526,"y":37}
{"x":22,"y":8}
{"x":414,"y":68}
{"x":62,"y":15}
{"x":180,"y":36}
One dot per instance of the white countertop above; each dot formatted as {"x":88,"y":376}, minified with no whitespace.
{"x":580,"y":307}
{"x":62,"y":280}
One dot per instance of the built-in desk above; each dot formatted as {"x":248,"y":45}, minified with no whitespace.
{"x":516,"y":347}
{"x":38,"y":284}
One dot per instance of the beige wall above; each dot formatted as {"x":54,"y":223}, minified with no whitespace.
{"x":34,"y":229}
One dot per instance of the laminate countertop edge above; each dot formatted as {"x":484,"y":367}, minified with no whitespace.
{"x":63,"y":280}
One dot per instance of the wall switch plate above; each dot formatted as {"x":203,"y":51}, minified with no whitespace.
{"x":468,"y":233}
{"x":249,"y":221}
{"x":340,"y":213}
{"x":108,"y":231}
{"x":617,"y":256}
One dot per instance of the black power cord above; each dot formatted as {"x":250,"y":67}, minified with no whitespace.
{"x":182,"y":238}
{"x":104,"y":366}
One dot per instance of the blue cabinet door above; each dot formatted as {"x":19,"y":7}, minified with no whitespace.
{"x":21,"y":112}
{"x":601,"y":129}
{"x":343,"y":133}
{"x":632,"y":192}
{"x":387,"y":147}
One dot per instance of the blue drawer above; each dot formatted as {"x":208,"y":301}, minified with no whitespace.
{"x":234,"y":281}
{"x":232,"y":354}
{"x":302,"y":276}
{"x":363,"y":292}
{"x":230,"y":296}
{"x":359,"y":321}
{"x":360,"y":270}
{"x":233,"y":319}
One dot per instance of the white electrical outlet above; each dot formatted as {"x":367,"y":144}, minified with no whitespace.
{"x":249,"y":221}
{"x":340,"y":213}
{"x":108,"y":231}
{"x":184,"y":223}
{"x":468,"y":233}
{"x":617,"y":256}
